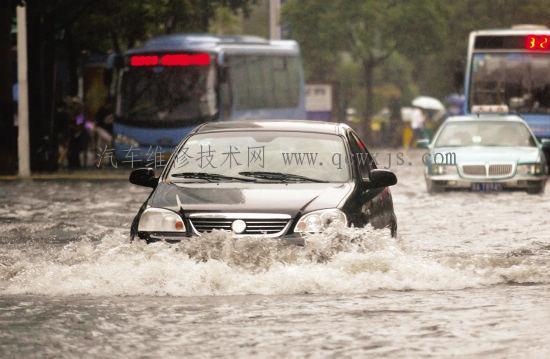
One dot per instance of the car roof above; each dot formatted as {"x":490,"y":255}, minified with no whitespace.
{"x":486,"y":117}
{"x":274,"y":125}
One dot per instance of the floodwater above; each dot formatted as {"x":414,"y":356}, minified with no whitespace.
{"x":468,"y":275}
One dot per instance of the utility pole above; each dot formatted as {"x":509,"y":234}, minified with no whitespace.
{"x":23,"y":144}
{"x":275,"y":19}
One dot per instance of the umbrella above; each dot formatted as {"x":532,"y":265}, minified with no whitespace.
{"x":428,"y":103}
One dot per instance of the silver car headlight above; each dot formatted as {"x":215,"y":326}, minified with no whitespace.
{"x":160,"y":220}
{"x":125,"y":140}
{"x":530,"y":169}
{"x":444,"y":169}
{"x":317,"y":221}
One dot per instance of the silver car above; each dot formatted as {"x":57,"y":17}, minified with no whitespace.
{"x":485,"y":153}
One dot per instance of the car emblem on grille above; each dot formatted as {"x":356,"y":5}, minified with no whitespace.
{"x":238,"y":226}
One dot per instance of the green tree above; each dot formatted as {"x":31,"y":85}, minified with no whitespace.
{"x":370,"y":31}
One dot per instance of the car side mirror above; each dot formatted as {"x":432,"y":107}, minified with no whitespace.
{"x":380,"y":178}
{"x":144,"y":177}
{"x":423,"y":143}
{"x":545,"y":142}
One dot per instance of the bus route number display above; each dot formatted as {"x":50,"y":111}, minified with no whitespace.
{"x":537,"y":42}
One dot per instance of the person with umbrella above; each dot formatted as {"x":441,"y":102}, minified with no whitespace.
{"x":426,"y":119}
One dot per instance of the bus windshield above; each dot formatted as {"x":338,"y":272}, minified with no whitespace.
{"x":164,"y":94}
{"x":520,"y":81}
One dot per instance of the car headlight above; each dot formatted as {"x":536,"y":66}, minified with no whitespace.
{"x":316,"y":221}
{"x":160,"y":220}
{"x":444,"y":169}
{"x":125,"y":140}
{"x":530,"y":169}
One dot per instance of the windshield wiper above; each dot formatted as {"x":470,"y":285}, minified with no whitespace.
{"x":210,"y":177}
{"x":280,"y":176}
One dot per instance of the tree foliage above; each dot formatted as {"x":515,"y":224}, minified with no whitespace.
{"x":100,"y":25}
{"x":370,"y":31}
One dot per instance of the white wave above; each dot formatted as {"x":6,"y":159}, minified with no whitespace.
{"x":337,"y":261}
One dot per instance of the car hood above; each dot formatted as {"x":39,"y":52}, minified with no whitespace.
{"x":288,"y":198}
{"x":480,"y":154}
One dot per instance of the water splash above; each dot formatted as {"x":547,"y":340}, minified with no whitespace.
{"x":344,"y":260}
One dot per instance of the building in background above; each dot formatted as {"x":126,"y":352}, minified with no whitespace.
{"x":319,"y":102}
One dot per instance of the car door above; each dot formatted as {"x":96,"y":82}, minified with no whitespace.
{"x":375,"y":204}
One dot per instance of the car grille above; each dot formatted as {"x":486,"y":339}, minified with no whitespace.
{"x":500,"y":170}
{"x":474,"y":170}
{"x":253,"y":226}
{"x":491,"y":170}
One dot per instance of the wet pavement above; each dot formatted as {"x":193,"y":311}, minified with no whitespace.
{"x":468,"y":275}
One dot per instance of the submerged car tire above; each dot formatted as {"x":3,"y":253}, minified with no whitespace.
{"x":538,"y":189}
{"x":432,"y":188}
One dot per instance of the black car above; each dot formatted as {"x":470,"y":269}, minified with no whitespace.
{"x":265,"y":178}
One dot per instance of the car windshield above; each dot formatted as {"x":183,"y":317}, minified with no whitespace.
{"x":489,"y":133}
{"x":519,"y":82}
{"x":261,"y":156}
{"x":163,"y":94}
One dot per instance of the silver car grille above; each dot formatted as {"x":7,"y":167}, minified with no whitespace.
{"x":500,"y":170}
{"x":269,"y":224}
{"x":495,"y":170}
{"x":474,"y":170}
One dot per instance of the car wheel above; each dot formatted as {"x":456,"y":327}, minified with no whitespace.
{"x":538,"y":189}
{"x":432,"y":188}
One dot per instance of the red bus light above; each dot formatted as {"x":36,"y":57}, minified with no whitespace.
{"x":185,"y":60}
{"x":171,"y":60}
{"x":537,"y":42}
{"x":144,"y":60}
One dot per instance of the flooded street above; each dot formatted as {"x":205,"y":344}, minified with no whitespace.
{"x":469,"y":275}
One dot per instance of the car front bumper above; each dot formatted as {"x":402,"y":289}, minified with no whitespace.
{"x":516,"y":182}
{"x":291,"y":238}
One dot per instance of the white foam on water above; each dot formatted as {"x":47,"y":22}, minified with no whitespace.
{"x":337,"y":261}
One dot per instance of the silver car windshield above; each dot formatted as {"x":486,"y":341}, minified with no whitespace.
{"x":485,"y":133}
{"x":261,"y":156}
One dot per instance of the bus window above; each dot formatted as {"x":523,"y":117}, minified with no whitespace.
{"x":286,"y":79}
{"x":262,"y":81}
